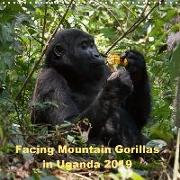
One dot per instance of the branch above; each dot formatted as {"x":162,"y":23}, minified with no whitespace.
{"x":133,"y":27}
{"x":43,"y":51}
{"x":129,"y":9}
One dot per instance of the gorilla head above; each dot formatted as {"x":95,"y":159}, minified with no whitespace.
{"x":75,"y":51}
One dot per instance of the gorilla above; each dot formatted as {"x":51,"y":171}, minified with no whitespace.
{"x":75,"y":81}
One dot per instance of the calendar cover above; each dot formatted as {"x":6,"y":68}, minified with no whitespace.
{"x":89,"y":89}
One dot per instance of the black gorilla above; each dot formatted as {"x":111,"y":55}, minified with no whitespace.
{"x":76,"y":82}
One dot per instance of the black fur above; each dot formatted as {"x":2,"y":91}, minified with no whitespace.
{"x":76,"y":82}
{"x":138,"y":104}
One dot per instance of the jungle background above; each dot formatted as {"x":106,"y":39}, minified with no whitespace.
{"x":152,"y":27}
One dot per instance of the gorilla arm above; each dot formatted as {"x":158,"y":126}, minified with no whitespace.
{"x":53,"y":93}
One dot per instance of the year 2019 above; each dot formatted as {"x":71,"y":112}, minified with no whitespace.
{"x":109,"y":164}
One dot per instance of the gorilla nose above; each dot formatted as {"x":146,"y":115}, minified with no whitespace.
{"x":96,"y":55}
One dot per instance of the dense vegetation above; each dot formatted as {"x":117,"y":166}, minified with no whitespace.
{"x":27,"y":26}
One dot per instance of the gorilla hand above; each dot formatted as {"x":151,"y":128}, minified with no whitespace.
{"x":119,"y":84}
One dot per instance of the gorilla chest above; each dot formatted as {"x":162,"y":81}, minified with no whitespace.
{"x":83,"y":98}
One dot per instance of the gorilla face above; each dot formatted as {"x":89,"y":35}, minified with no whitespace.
{"x":86,"y":50}
{"x":74,"y":48}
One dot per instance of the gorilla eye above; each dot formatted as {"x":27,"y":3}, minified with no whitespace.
{"x":84,"y":45}
{"x":58,"y":50}
{"x":91,"y":44}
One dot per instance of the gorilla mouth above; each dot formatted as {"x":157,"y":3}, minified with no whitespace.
{"x":97,"y":61}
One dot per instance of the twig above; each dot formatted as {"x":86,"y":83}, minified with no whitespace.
{"x":128,"y":9}
{"x":81,"y":176}
{"x":39,"y":41}
{"x":133,"y":27}
{"x":43,"y":51}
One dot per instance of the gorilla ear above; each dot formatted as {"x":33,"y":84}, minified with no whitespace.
{"x":58,"y":50}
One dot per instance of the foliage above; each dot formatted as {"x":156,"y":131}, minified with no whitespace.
{"x":26,"y":27}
